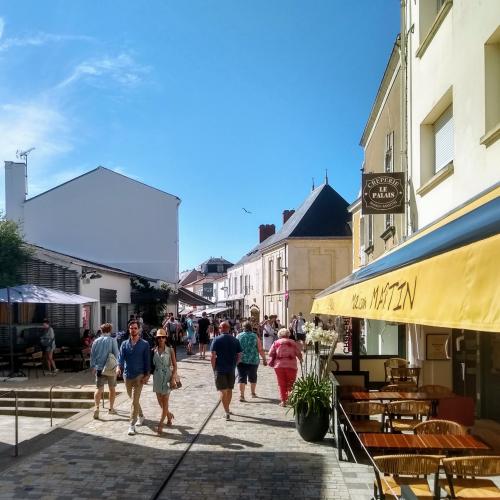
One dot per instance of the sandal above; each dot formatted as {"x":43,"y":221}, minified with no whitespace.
{"x":242,"y":399}
{"x":170,"y":417}
{"x":159,"y":429}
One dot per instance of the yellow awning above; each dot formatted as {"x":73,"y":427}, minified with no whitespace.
{"x":456,"y":288}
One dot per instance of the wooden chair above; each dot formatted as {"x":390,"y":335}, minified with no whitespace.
{"x":27,"y":354}
{"x":393,"y":363}
{"x":35,"y":362}
{"x":440,"y":427}
{"x":409,"y":470}
{"x":399,"y":388}
{"x":345,"y":391}
{"x":406,"y":415}
{"x":435,"y":389}
{"x":462,"y":479}
{"x":359,"y":415}
{"x":405,"y":375}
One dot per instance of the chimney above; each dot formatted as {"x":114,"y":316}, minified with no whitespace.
{"x":266,"y":230}
{"x":287,"y":214}
{"x":15,"y":190}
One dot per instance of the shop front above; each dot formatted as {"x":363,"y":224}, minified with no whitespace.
{"x":435,"y":299}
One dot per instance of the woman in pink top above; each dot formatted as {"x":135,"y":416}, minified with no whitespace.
{"x":283,"y":358}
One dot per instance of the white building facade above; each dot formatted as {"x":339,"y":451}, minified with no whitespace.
{"x":101,"y":216}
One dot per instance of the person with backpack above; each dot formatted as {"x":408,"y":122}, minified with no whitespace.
{"x":100,"y":351}
{"x":283,"y":357}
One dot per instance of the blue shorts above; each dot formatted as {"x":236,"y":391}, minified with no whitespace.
{"x":247,"y":372}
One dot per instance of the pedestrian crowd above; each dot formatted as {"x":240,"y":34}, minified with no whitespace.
{"x":236,"y":347}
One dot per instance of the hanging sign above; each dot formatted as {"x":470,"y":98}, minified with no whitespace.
{"x":383,"y":193}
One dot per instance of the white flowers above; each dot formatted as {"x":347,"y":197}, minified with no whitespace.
{"x":317,"y":334}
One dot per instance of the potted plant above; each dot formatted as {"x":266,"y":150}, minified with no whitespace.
{"x":311,"y":404}
{"x":310,"y":398}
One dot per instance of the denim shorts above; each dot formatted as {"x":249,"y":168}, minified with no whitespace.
{"x":247,"y":372}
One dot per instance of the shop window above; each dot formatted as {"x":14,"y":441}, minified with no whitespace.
{"x":379,"y":338}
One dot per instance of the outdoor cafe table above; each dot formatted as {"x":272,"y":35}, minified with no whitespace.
{"x":424,"y":442}
{"x":396,"y":396}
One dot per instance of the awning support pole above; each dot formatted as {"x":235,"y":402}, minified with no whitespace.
{"x":355,"y":344}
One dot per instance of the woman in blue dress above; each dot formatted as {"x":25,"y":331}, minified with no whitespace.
{"x":164,"y":375}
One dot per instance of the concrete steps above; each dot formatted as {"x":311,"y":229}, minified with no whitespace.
{"x":36,"y":402}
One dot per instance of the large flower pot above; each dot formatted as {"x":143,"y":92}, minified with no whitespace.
{"x":312,"y":427}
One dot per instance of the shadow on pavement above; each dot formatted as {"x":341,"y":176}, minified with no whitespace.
{"x":128,"y":469}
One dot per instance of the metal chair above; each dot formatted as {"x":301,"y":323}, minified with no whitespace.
{"x":406,"y":415}
{"x":393,"y":363}
{"x":440,"y":427}
{"x":359,"y":414}
{"x":462,"y":479}
{"x":408,"y":470}
{"x":34,"y":362}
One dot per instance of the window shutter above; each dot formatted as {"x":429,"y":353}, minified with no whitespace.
{"x":443,"y":137}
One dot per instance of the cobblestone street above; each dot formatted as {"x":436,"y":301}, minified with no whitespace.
{"x":258,"y":454}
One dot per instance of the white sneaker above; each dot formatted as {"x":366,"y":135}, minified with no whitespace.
{"x":131,"y":430}
{"x":140,"y":421}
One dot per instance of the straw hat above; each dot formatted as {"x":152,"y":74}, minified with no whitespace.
{"x":161,"y":333}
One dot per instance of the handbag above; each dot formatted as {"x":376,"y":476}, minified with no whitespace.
{"x":109,"y":369}
{"x":175,"y":383}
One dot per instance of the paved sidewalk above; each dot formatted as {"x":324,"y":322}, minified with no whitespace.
{"x":258,"y":454}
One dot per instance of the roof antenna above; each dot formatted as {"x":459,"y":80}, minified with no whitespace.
{"x":313,"y":184}
{"x":23,"y":155}
{"x":326,"y":177}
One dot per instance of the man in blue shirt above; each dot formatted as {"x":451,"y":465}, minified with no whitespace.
{"x":226,"y":354}
{"x":102,"y":347}
{"x":134,"y":362}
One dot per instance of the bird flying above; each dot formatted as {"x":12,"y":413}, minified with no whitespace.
{"x":246,"y":211}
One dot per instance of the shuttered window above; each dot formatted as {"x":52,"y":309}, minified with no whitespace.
{"x":443,"y":139}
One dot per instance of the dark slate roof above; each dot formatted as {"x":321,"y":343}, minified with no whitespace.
{"x":215,"y":260}
{"x":323,"y":214}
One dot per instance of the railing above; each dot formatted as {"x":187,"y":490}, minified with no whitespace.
{"x":341,"y":439}
{"x":16,"y":441}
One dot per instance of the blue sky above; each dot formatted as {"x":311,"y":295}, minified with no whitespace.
{"x":226,"y":104}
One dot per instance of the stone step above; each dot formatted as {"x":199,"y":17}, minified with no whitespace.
{"x":45,"y":403}
{"x":40,"y":412}
{"x":56,"y":394}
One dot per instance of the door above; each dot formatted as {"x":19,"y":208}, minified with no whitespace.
{"x":490,"y":375}
{"x":465,"y":362}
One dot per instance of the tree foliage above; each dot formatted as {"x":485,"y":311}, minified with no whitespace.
{"x":13,"y":253}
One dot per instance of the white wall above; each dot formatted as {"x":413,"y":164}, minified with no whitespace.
{"x":454,"y":60}
{"x":108,"y":218}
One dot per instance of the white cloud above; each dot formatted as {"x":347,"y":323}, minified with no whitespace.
{"x":38,"y":39}
{"x":39,"y":125}
{"x":121,"y":69}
